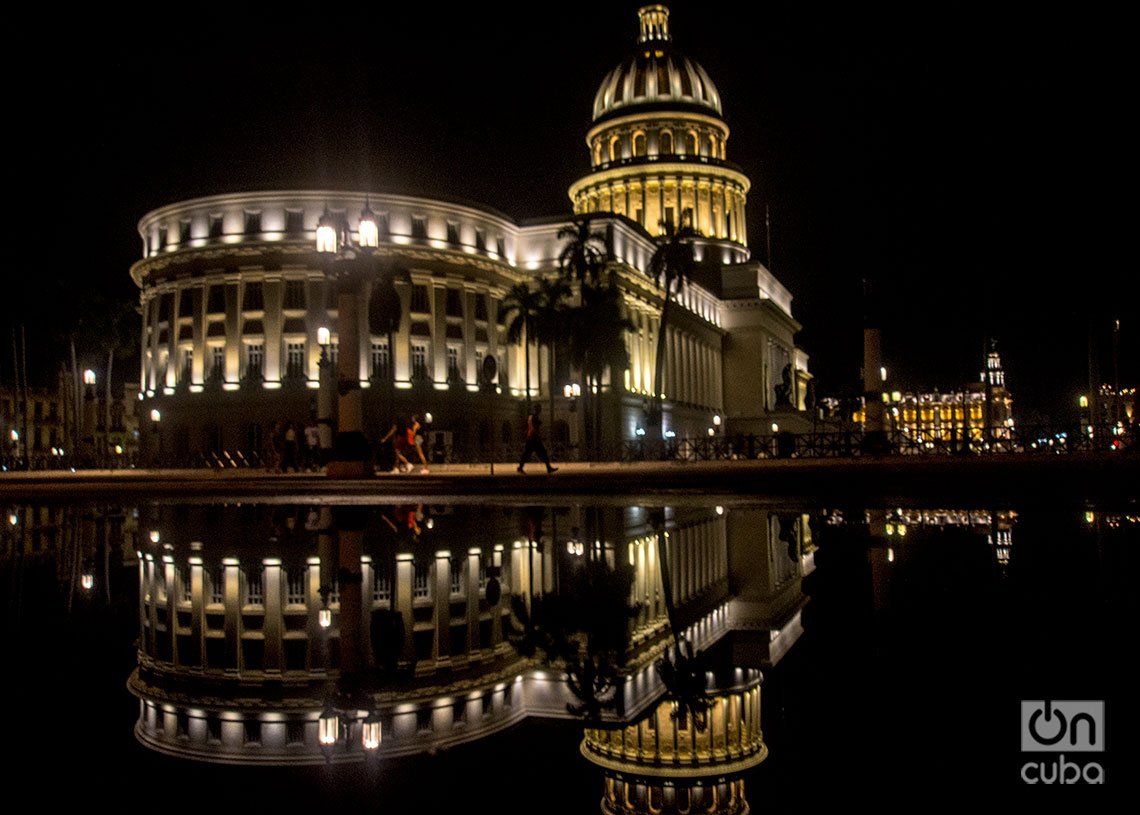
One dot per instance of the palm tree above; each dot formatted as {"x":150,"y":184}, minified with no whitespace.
{"x":672,"y":265}
{"x":597,"y":330}
{"x":584,"y":255}
{"x":550,"y":322}
{"x":520,"y":307}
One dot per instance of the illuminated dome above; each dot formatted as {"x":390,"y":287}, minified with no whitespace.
{"x":656,"y":74}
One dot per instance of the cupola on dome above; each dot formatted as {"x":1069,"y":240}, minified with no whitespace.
{"x":656,"y":74}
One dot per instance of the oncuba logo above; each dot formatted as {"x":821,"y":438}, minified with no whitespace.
{"x":1052,"y":726}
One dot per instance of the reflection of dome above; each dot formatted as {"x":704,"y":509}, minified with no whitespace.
{"x":656,"y":73}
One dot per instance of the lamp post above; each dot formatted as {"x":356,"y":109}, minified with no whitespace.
{"x":89,"y":409}
{"x":326,"y":380}
{"x":346,"y":261}
{"x":156,"y":429}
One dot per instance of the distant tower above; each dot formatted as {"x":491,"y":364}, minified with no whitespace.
{"x":657,"y":145}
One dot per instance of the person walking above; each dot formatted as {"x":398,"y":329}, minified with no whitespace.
{"x":398,"y":433}
{"x":534,"y":445}
{"x":415,"y":442}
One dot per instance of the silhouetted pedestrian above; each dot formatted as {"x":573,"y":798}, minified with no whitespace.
{"x":534,"y":445}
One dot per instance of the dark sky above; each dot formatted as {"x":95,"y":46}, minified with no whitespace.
{"x":970,"y":164}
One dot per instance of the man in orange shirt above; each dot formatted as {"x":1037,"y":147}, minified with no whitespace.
{"x":534,"y":445}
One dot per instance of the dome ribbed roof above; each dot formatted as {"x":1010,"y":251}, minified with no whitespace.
{"x":656,"y":73}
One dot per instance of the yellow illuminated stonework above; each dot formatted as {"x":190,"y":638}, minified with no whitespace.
{"x":667,"y":764}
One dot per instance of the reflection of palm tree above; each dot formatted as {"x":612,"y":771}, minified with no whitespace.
{"x":682,"y":671}
{"x":584,"y":255}
{"x":672,"y":265}
{"x":521,"y":306}
{"x":597,"y":342}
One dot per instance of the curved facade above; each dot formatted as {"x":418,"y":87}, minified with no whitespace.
{"x":234,"y":295}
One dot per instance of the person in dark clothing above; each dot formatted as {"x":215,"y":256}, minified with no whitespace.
{"x":534,"y":445}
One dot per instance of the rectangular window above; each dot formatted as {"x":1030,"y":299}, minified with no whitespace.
{"x":187,"y":364}
{"x":165,"y":307}
{"x":481,"y":307}
{"x":254,"y":360}
{"x":295,"y":294}
{"x":254,"y":298}
{"x":454,"y":303}
{"x":295,"y":588}
{"x":480,"y":238}
{"x":253,"y":223}
{"x":669,"y":215}
{"x":217,"y":362}
{"x":420,"y":300}
{"x":186,"y":303}
{"x":457,"y":576}
{"x":295,"y":732}
{"x":161,"y":236}
{"x":419,"y":226}
{"x":294,"y":221}
{"x":216,"y":302}
{"x":216,"y":225}
{"x":381,"y":585}
{"x":453,"y":365}
{"x":380,"y":360}
{"x":419,"y":362}
{"x":501,"y":247}
{"x":479,"y":356}
{"x":254,"y":588}
{"x":218,"y":585}
{"x":183,"y":232}
{"x":295,"y":359}
{"x":421,"y":588}
{"x":452,"y":232}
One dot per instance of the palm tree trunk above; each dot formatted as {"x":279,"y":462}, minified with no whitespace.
{"x":658,"y":378}
{"x":550,"y":387}
{"x":526,"y":363}
{"x":107,"y":399}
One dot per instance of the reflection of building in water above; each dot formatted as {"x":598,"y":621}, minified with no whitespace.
{"x":646,"y":764}
{"x":896,"y":527}
{"x":235,"y":665}
{"x":84,"y":543}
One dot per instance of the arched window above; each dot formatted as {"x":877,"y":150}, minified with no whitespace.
{"x":614,"y":142}
{"x":639,"y":144}
{"x":597,"y":152}
{"x":692,"y":147}
{"x":665,"y":142}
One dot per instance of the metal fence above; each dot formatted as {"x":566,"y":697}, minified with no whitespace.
{"x":1027,"y":440}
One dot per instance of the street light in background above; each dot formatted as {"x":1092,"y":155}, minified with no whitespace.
{"x":156,"y":430}
{"x":325,"y":404}
{"x":572,"y":392}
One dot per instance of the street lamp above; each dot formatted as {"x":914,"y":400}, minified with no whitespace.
{"x":572,"y":392}
{"x":325,"y":405}
{"x":156,"y":429}
{"x":342,"y":260}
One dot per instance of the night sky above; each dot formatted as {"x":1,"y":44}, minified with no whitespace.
{"x":969,"y":164}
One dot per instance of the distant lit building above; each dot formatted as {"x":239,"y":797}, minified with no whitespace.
{"x":68,"y":425}
{"x":976,"y":413}
{"x":234,"y":297}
